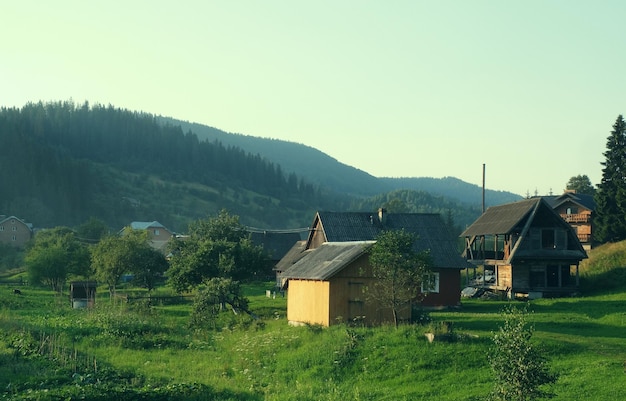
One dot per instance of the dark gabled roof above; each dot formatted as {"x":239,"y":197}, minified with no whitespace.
{"x":584,"y":200}
{"x":292,"y":256}
{"x":274,"y":242}
{"x":430,"y":230}
{"x":518,"y":217}
{"x":502,"y":219}
{"x":326,"y":260}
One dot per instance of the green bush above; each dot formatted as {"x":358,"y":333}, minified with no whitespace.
{"x":520,"y":371}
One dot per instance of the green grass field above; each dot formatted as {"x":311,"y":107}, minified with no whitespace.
{"x":49,"y":351}
{"x":119,"y":351}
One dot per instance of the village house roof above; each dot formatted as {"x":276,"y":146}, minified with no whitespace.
{"x":583,"y":200}
{"x":430,"y":231}
{"x":277,"y":243}
{"x":517,"y":218}
{"x":295,"y":253}
{"x":327,"y":260}
{"x":4,"y":218}
{"x":502,"y":219}
{"x":144,"y":225}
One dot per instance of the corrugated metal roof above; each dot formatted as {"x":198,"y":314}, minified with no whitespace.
{"x":327,"y":260}
{"x":292,"y":256}
{"x":502,"y":219}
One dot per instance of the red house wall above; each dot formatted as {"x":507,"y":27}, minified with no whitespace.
{"x":449,"y":290}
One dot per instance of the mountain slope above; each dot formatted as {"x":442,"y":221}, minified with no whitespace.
{"x":307,"y":162}
{"x":67,"y":163}
{"x":317,"y":167}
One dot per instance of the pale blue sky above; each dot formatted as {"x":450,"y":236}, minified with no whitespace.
{"x":395,"y":88}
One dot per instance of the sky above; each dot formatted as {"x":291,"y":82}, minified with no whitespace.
{"x":531,"y":89}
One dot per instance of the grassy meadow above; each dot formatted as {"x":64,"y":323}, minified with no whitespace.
{"x":136,"y":351}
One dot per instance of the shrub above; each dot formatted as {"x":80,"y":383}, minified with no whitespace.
{"x":519,"y":369}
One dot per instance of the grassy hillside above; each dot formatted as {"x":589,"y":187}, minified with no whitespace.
{"x":605,"y":269}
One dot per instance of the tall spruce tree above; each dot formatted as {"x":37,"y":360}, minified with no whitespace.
{"x":610,"y":197}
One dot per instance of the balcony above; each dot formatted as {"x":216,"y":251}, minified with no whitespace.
{"x":576,"y":218}
{"x":584,"y":237}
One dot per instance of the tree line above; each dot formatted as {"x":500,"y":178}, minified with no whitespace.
{"x":65,"y":160}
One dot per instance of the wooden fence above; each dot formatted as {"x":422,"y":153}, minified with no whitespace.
{"x":158,"y":300}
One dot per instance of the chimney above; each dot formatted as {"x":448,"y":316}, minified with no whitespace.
{"x":381,"y":215}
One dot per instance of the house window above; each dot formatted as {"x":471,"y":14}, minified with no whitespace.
{"x":431,"y":283}
{"x":156,"y":232}
{"x":14,"y":238}
{"x":1,"y":228}
{"x":14,"y":228}
{"x":547,"y":239}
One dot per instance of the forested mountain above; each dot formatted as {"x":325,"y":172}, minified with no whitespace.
{"x":321,"y":169}
{"x":456,"y":214}
{"x":63,"y":163}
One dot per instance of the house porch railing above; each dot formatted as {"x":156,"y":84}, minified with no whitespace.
{"x":584,"y":237}
{"x":576,"y":218}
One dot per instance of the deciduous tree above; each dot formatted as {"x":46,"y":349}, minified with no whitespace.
{"x":130,"y":252}
{"x":581,"y":184}
{"x":610,"y":198}
{"x":214,"y":298}
{"x":216,"y":247}
{"x":92,"y":230}
{"x":54,"y":256}
{"x":399,"y":271}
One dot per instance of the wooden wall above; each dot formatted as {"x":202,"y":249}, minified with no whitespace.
{"x":307,"y":302}
{"x":505,"y":277}
{"x":317,"y":237}
{"x":341,"y":299}
{"x":449,"y":290}
{"x":15,"y":233}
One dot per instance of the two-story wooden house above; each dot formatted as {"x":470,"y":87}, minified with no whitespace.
{"x":529,"y":247}
{"x":577,"y":211}
{"x":158,"y":234}
{"x":14,"y":231}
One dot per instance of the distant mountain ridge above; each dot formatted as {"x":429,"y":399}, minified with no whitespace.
{"x":319,"y":168}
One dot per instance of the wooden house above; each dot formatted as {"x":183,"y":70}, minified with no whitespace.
{"x":326,"y":282}
{"x":158,"y":234}
{"x":577,"y":211}
{"x":531,"y":250}
{"x":14,"y":231}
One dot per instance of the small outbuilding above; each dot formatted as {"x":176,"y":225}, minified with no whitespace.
{"x":83,"y":294}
